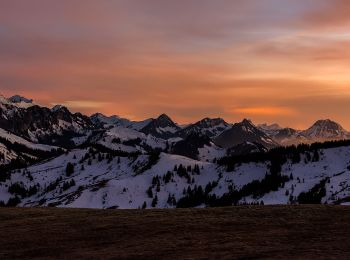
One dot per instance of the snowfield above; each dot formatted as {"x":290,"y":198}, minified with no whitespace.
{"x":117,"y":182}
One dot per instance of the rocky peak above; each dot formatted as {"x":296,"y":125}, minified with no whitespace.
{"x":20,"y":99}
{"x":211,"y":122}
{"x":164,"y":120}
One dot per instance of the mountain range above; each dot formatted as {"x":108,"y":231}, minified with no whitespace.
{"x":51,"y":156}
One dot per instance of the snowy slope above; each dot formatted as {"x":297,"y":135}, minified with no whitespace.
{"x":118,"y":182}
{"x":6,"y":155}
{"x":102,"y":184}
{"x":129,"y":140}
{"x":16,"y":139}
{"x":12,"y":147}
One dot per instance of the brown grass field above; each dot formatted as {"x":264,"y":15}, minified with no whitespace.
{"x":249,"y":232}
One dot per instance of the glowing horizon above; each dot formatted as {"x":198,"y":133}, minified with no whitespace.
{"x":272,"y":61}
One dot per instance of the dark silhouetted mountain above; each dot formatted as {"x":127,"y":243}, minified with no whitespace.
{"x":19,"y":99}
{"x":244,"y":131}
{"x":189,"y":146}
{"x":246,"y":148}
{"x":161,"y":127}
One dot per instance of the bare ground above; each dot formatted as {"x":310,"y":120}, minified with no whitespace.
{"x":218,"y":233}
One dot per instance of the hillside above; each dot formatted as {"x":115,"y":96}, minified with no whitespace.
{"x":279,"y":232}
{"x":100,"y":178}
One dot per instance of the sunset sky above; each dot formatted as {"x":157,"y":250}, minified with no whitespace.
{"x":284,"y":61}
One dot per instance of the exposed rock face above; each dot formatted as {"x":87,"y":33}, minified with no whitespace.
{"x":41,"y":124}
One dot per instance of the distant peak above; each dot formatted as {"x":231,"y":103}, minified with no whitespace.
{"x":164,"y":117}
{"x":98,"y":115}
{"x":20,"y":99}
{"x":207,"y":119}
{"x":210,"y":122}
{"x":247,"y":122}
{"x":327,"y":123}
{"x":322,"y":121}
{"x":274,"y":126}
{"x":57,"y":108}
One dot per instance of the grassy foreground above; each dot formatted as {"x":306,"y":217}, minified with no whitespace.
{"x":235,"y":232}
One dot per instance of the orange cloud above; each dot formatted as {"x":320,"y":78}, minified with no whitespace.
{"x":82,"y":104}
{"x":331,"y":14}
{"x":266,"y":111}
{"x":276,"y":61}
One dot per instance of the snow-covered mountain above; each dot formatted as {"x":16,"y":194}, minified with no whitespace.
{"x":41,"y":124}
{"x":107,"y":121}
{"x":320,"y":131}
{"x":130,"y":140}
{"x":210,"y":127}
{"x":244,"y":131}
{"x":323,"y":130}
{"x":285,"y":136}
{"x":289,"y":136}
{"x":104,"y":121}
{"x":161,"y":127}
{"x":21,"y":101}
{"x":269,"y":128}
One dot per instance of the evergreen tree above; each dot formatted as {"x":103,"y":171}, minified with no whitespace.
{"x":316,"y":156}
{"x":13,"y":202}
{"x":69,"y":169}
{"x":155,"y":201}
{"x":169,"y":199}
{"x":149,"y":192}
